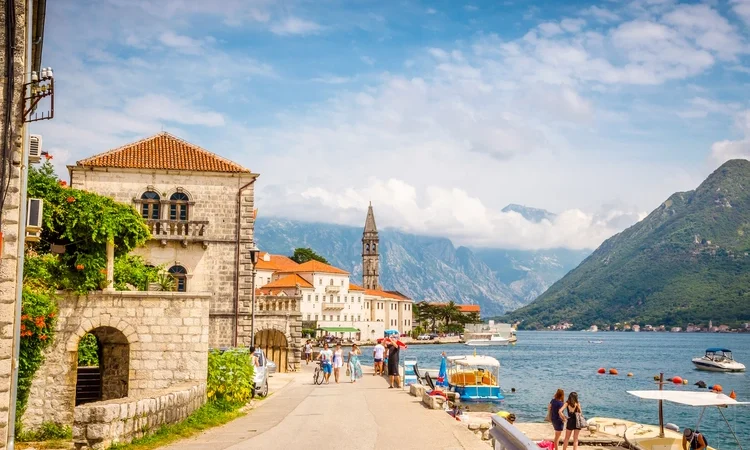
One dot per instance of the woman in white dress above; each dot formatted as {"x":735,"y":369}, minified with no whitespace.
{"x":338,"y":362}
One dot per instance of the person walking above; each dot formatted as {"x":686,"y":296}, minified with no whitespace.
{"x":338,"y":362}
{"x":393,"y":354}
{"x":573,"y":407}
{"x":553,"y":413}
{"x":326,"y":362}
{"x":308,"y":352}
{"x":355,"y":368}
{"x":377,"y":355}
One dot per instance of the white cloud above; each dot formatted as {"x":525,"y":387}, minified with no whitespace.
{"x":700,"y":107}
{"x":725,"y":150}
{"x":332,"y":79}
{"x":431,"y":11}
{"x":183,"y":44}
{"x":295,"y":26}
{"x":367,"y":60}
{"x":471,"y":8}
{"x":154,"y":108}
{"x":601,"y":14}
{"x":742,"y":9}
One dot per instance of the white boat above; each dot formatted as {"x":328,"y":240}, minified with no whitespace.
{"x":718,"y":359}
{"x":486,"y":339}
{"x":475,"y":377}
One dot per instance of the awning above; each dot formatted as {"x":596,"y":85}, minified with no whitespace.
{"x":689,"y":398}
{"x":340,"y":329}
{"x":478,"y":360}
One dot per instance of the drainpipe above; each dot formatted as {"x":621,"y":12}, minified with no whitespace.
{"x":237,"y":261}
{"x":21,"y":232}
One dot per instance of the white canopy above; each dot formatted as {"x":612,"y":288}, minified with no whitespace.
{"x":474,"y":360}
{"x":689,"y":398}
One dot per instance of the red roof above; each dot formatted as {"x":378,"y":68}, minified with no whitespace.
{"x":163,"y":151}
{"x":462,"y":308}
{"x":276,"y":263}
{"x":288,"y":281}
{"x":355,"y":287}
{"x":385,"y":294}
{"x":317,"y":266}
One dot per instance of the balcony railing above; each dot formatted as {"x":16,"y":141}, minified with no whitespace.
{"x":332,"y":289}
{"x":338,"y":306}
{"x":177,"y":229}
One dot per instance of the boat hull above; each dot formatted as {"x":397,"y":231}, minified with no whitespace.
{"x":486,"y":343}
{"x":478,"y":393}
{"x":711,"y":366}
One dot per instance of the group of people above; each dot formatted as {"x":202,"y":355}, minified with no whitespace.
{"x":568,"y":415}
{"x":331,"y":361}
{"x":385,"y":354}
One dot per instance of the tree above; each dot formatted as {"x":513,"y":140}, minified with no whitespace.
{"x":303,"y":255}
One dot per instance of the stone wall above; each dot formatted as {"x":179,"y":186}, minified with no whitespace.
{"x":101,"y":424}
{"x":10,"y":210}
{"x":211,"y":261}
{"x":275,"y":313}
{"x":164,"y":334}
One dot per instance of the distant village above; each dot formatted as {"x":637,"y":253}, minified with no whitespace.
{"x":691,"y":328}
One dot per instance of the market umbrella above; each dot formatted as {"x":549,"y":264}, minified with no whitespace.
{"x":442,"y":379}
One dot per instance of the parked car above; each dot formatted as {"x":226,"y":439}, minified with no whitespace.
{"x":433,"y":336}
{"x":423,"y":337}
{"x":263,"y":369}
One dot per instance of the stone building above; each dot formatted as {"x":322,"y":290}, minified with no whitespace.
{"x":17,"y":60}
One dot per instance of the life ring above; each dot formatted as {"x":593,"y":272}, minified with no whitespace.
{"x":437,"y":393}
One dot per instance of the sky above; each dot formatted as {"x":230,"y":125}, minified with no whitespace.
{"x":440,"y":113}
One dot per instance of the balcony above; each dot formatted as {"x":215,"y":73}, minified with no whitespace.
{"x":332,"y":289}
{"x":178,"y":230}
{"x":337,"y":306}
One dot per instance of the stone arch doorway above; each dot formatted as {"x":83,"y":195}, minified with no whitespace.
{"x":276,"y":347}
{"x":106,"y":373}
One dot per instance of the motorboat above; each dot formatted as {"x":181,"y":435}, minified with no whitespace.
{"x":475,"y":377}
{"x":486,"y":339}
{"x":718,"y":359}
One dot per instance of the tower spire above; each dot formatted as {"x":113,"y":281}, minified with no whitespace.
{"x":370,"y":252}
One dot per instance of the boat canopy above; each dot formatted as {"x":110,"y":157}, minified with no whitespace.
{"x":717,"y":349}
{"x":474,"y":360}
{"x":689,"y":398}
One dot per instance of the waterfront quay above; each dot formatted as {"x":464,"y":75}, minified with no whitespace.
{"x":364,"y":415}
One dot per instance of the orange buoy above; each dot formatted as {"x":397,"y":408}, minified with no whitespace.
{"x":732,"y":395}
{"x":602,"y":370}
{"x":676,"y":380}
{"x":717,"y":388}
{"x":613,"y":371}
{"x":630,"y":374}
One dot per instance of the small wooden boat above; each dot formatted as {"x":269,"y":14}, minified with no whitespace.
{"x":475,"y":377}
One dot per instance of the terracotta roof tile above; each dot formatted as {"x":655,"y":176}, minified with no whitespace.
{"x":163,"y":151}
{"x":355,"y":287}
{"x":276,"y":263}
{"x":288,"y":281}
{"x":385,"y":294}
{"x":462,"y":308}
{"x":317,"y":266}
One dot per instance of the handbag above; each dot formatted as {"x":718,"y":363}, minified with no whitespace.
{"x":348,"y":370}
{"x":548,"y":418}
{"x":580,"y":421}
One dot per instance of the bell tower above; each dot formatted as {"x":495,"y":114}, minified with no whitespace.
{"x":370,"y":253}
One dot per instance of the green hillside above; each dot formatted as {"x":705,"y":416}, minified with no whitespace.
{"x":688,"y":261}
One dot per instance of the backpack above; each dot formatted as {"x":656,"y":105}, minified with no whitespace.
{"x":694,"y":440}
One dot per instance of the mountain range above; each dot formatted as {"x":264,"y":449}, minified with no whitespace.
{"x":431,"y":268}
{"x":686,"y":262}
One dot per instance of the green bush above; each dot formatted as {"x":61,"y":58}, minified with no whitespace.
{"x":37,"y":330}
{"x":88,"y":351}
{"x":230,"y":376}
{"x":47,"y":431}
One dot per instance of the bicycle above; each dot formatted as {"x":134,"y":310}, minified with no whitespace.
{"x":318,"y":375}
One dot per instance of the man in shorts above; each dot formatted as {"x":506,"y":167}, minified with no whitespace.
{"x":326,"y":362}
{"x":308,"y":352}
{"x":377,"y":354}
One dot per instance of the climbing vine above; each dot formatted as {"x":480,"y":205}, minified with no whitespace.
{"x":71,"y":255}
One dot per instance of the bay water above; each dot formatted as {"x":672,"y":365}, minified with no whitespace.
{"x":541,"y":362}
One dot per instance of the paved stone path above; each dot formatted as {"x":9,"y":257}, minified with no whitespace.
{"x":362,"y":416}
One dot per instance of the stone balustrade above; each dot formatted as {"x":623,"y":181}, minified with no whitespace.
{"x":177,"y":229}
{"x":99,"y":425}
{"x":277,"y":304}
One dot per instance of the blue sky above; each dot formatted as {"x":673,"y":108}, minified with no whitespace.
{"x":439,"y":112}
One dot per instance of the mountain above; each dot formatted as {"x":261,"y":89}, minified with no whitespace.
{"x":427,"y":268}
{"x":531,"y":214}
{"x":687,"y":262}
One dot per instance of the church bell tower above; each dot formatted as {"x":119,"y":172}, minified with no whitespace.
{"x":370,"y":255}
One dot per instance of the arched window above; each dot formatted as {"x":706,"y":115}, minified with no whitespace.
{"x":180,"y":277}
{"x":178,"y":206}
{"x":150,"y":205}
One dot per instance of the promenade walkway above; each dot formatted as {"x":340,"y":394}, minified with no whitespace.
{"x":361,"y":416}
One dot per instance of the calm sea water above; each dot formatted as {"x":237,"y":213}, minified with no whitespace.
{"x":541,"y":362}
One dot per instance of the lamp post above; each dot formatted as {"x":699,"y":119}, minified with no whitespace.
{"x":254,"y":254}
